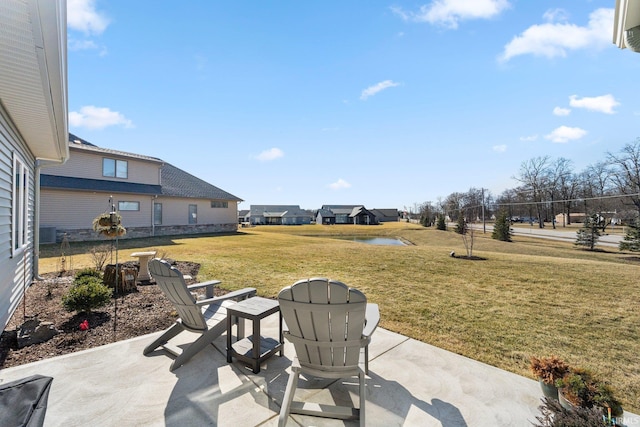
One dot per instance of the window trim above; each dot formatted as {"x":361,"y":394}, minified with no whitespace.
{"x":223,"y":204}
{"x":124,"y":209}
{"x":115,"y":168}
{"x":20,"y":206}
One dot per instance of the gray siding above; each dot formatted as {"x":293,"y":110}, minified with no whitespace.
{"x":16,"y":269}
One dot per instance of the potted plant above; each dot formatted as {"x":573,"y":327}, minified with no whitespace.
{"x":579,"y":388}
{"x":109,"y":224}
{"x":548,"y":370}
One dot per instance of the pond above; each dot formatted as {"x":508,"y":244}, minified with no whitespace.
{"x":376,"y":241}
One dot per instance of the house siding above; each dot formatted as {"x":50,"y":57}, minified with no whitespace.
{"x":87,"y":164}
{"x":16,"y":269}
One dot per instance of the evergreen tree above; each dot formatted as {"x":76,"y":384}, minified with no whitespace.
{"x":502,"y":228}
{"x":631,"y":240}
{"x":589,"y":234}
{"x":461,"y":225}
{"x":440,"y":223}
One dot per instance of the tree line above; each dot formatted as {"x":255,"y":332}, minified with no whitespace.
{"x":608,"y":190}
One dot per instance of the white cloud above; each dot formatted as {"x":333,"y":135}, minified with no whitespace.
{"x":270,"y":154}
{"x":92,"y":117}
{"x":555,"y":15}
{"x":500,"y":148}
{"x":602,"y":104}
{"x":378,"y":87}
{"x":555,"y":39}
{"x":565,"y":134}
{"x":448,"y":13}
{"x":559,"y":111}
{"x":530,"y":138}
{"x":83,"y":16}
{"x":339,"y":184}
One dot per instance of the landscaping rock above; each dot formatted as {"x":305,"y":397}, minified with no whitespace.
{"x":33,"y":331}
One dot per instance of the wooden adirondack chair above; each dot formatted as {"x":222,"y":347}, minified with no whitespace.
{"x":328,"y":324}
{"x":206,"y":317}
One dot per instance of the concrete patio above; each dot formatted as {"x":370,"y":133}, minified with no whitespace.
{"x":409,"y":384}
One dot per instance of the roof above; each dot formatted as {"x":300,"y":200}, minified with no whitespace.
{"x":342,"y":209}
{"x":385,"y":212}
{"x":33,"y":82}
{"x":174,"y":181}
{"x":77,"y":143}
{"x":178,"y":183}
{"x":71,"y":183}
{"x":326,"y":213}
{"x":277,"y":210}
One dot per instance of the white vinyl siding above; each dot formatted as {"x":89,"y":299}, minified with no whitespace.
{"x":16,"y":269}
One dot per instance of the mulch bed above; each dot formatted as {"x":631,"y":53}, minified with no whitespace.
{"x":129,"y":315}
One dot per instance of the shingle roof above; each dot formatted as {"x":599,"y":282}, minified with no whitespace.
{"x":178,"y":183}
{"x":76,"y":142}
{"x":71,"y":183}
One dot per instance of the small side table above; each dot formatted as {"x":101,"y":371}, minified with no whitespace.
{"x":255,"y":349}
{"x":144,"y":275}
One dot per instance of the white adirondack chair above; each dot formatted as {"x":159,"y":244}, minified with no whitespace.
{"x":328,"y":324}
{"x":207,"y":317}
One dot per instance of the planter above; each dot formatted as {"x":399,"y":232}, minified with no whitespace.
{"x":564,"y":402}
{"x":549,"y":390}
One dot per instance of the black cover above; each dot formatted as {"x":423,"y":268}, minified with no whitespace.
{"x":24,"y":402}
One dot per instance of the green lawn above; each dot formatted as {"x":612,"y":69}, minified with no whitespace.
{"x":528,"y":297}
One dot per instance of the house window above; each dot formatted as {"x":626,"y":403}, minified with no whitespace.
{"x":157,"y":214}
{"x":128,"y":206}
{"x":19,"y":215}
{"x":115,"y":168}
{"x":193,"y":214}
{"x":219,"y":204}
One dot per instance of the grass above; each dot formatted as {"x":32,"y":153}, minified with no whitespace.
{"x":529,"y":297}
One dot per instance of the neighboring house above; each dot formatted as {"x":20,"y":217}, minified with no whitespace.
{"x":278,"y":215}
{"x":325,"y":217}
{"x":243,"y":216}
{"x":153,"y":197}
{"x":350,"y":214}
{"x":33,"y":131}
{"x":386,"y":215}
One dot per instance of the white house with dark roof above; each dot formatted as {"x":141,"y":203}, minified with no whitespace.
{"x":278,"y":215}
{"x":153,"y":197}
{"x":33,"y":132}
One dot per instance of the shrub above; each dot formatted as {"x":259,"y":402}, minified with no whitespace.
{"x":554,"y":415}
{"x":87,"y":293}
{"x":548,"y":369}
{"x":99,"y":255}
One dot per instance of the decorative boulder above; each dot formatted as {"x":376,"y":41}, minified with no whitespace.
{"x":33,"y":331}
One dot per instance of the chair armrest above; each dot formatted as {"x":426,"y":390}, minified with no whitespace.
{"x":242,"y":293}
{"x":372,"y":318}
{"x":209,"y":285}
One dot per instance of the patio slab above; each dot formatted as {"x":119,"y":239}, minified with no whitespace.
{"x":410,"y":383}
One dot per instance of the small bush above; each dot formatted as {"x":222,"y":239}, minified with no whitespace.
{"x":87,"y":272}
{"x":87,"y":293}
{"x":99,"y":255}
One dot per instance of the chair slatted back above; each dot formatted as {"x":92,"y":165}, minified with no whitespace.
{"x":325,"y":320}
{"x":170,"y":280}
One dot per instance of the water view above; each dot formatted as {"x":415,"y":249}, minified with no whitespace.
{"x":376,"y":241}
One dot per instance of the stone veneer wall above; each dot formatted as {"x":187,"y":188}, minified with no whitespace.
{"x":88,"y":234}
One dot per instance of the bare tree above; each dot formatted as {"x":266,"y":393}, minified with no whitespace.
{"x":534,"y":175}
{"x":626,"y":173}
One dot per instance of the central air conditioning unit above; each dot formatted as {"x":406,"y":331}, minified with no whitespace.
{"x":632,"y":38}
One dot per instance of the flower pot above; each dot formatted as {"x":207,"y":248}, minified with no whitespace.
{"x":549,"y":390}
{"x":564,"y":402}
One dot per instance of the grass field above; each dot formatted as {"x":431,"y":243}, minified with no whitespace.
{"x":528,"y":297}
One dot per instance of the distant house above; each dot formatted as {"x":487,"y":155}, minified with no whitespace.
{"x":278,"y":215}
{"x":243,"y":215}
{"x":33,"y":132}
{"x":325,"y":217}
{"x":153,"y":197}
{"x":386,"y":215}
{"x":350,"y":214}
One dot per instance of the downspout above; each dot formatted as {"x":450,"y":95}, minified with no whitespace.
{"x":36,"y":215}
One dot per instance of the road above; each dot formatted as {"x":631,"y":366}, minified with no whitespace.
{"x":557,"y":234}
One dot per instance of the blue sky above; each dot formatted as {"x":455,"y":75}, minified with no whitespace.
{"x":381,"y":103}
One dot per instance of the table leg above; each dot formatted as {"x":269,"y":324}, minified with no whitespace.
{"x":281,"y":336}
{"x":229,"y":324}
{"x":256,"y":346}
